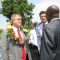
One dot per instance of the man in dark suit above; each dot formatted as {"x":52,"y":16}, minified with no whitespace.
{"x":50,"y":44}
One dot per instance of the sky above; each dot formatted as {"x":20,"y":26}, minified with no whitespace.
{"x":35,"y":2}
{"x":3,"y":19}
{"x":42,"y":5}
{"x":39,"y":6}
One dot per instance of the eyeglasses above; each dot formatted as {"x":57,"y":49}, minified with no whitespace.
{"x":19,"y":19}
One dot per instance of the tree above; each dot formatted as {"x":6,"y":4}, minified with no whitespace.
{"x":18,"y":6}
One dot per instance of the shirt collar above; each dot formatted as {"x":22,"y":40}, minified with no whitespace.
{"x":45,"y":22}
{"x":15,"y":29}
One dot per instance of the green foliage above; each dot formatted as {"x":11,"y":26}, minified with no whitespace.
{"x":18,"y":6}
{"x":0,"y":37}
{"x":1,"y":33}
{"x":8,"y":34}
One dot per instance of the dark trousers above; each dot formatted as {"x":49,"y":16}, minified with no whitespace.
{"x":27,"y":58}
{"x":34,"y":52}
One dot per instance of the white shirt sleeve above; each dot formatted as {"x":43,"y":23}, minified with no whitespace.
{"x":33,"y":37}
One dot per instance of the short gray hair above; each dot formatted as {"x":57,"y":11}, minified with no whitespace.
{"x":14,"y":15}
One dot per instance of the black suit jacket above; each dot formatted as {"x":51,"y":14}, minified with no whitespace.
{"x":50,"y":44}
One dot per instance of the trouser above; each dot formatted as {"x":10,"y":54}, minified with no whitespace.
{"x":34,"y":52}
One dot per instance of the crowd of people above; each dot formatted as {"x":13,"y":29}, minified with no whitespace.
{"x":43,"y":41}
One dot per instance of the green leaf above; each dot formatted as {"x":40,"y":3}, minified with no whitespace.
{"x":21,"y":6}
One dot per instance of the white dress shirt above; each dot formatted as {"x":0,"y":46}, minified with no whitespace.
{"x":16,"y":31}
{"x":33,"y":37}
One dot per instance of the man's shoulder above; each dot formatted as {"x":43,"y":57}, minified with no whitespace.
{"x":52,"y":24}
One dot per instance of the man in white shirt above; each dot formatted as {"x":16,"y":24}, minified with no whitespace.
{"x":33,"y":43}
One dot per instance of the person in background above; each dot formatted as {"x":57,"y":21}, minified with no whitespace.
{"x":50,"y":43}
{"x":33,"y":45}
{"x":40,"y":27}
{"x":4,"y":52}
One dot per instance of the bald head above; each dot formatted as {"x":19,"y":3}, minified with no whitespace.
{"x":52,"y":12}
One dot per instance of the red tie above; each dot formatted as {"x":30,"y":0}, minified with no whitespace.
{"x":23,"y":48}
